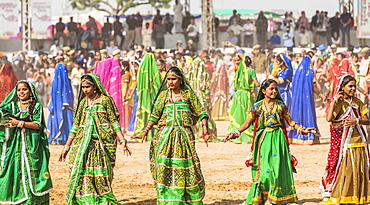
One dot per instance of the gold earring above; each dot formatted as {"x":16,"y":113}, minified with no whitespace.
{"x":94,"y":91}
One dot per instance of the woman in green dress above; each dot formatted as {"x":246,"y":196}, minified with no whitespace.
{"x":174,"y":162}
{"x":270,"y":158}
{"x":244,"y":81}
{"x":24,"y":171}
{"x":95,"y":133}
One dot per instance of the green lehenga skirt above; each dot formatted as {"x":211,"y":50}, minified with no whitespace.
{"x":272,"y":172}
{"x":175,"y":167}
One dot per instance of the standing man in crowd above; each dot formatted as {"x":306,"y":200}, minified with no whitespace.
{"x":314,"y":25}
{"x":234,"y":16}
{"x":304,"y":38}
{"x":345,"y":21}
{"x":118,"y":29}
{"x":260,"y":63}
{"x":177,"y":20}
{"x":59,"y":27}
{"x":72,"y":33}
{"x":248,"y":35}
{"x":106,"y":30}
{"x":334,"y":24}
{"x":138,"y":28}
{"x":364,"y":69}
{"x":261,"y":25}
{"x":130,"y":36}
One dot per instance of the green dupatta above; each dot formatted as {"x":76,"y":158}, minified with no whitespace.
{"x":148,"y":84}
{"x":91,"y":127}
{"x":25,"y":156}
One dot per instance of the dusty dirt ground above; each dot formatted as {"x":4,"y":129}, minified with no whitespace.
{"x":227,"y":178}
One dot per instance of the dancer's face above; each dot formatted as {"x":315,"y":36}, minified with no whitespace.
{"x":88,"y":89}
{"x":173,"y":82}
{"x":271,"y":91}
{"x":350,"y":88}
{"x":23,"y":92}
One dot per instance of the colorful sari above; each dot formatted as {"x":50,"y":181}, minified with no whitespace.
{"x":303,"y":109}
{"x":286,"y":75}
{"x":199,"y":81}
{"x":174,"y":163}
{"x":148,"y":83}
{"x":346,"y":178}
{"x":60,"y":106}
{"x":109,"y":71}
{"x":242,"y":101}
{"x":24,"y":171}
{"x":8,"y":80}
{"x":272,"y":172}
{"x":219,"y":93}
{"x":93,"y":152}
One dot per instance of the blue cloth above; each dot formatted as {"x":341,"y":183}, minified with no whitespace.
{"x":286,"y":75}
{"x":275,"y":40}
{"x":60,"y":107}
{"x":302,"y":109}
{"x":132,"y":123}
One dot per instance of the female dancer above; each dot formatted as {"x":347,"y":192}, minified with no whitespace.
{"x":94,"y":134}
{"x":270,"y":157}
{"x":346,"y":178}
{"x":25,"y":177}
{"x":175,"y":165}
{"x":60,"y":107}
{"x":284,"y":77}
{"x":244,"y":81}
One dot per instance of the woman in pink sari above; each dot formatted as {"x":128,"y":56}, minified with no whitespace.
{"x":109,"y":71}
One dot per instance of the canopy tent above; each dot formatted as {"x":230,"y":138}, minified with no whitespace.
{"x":229,"y":12}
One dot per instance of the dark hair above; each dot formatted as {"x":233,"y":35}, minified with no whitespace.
{"x":89,"y":78}
{"x":266,"y":83}
{"x":248,"y":61}
{"x":345,"y":81}
{"x":31,"y":107}
{"x":178,"y":73}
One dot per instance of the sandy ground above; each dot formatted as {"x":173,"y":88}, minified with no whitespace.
{"x":227,"y":178}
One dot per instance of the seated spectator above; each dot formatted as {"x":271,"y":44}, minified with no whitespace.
{"x":335,"y":39}
{"x":232,"y":38}
{"x":275,"y":40}
{"x":112,"y":47}
{"x":288,"y":39}
{"x":304,"y":38}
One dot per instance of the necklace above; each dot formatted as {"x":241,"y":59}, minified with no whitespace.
{"x":349,"y":102}
{"x":175,"y":97}
{"x":269,"y":106}
{"x":92,"y":100}
{"x":26,"y":102}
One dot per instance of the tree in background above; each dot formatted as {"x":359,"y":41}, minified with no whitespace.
{"x":120,"y":7}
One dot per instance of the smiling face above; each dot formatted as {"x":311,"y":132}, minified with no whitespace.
{"x":271,"y":91}
{"x":349,"y":89}
{"x":23,"y":92}
{"x":88,"y":89}
{"x":173,"y":82}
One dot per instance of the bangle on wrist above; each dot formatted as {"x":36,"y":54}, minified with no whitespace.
{"x":123,"y":140}
{"x":204,"y":125}
{"x":146,"y":131}
{"x":67,"y":147}
{"x":206,"y":133}
{"x":357,"y":121}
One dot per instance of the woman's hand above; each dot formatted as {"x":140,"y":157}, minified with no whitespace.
{"x":11,"y":123}
{"x":349,"y":121}
{"x":206,"y":138}
{"x":63,"y":156}
{"x":339,"y":95}
{"x":142,"y":136}
{"x":126,"y":150}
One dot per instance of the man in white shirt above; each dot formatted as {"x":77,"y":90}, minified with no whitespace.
{"x":193,"y":32}
{"x":236,"y":29}
{"x":288,"y":39}
{"x":177,"y":19}
{"x":248,"y":35}
{"x":304,"y":38}
{"x":364,"y":68}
